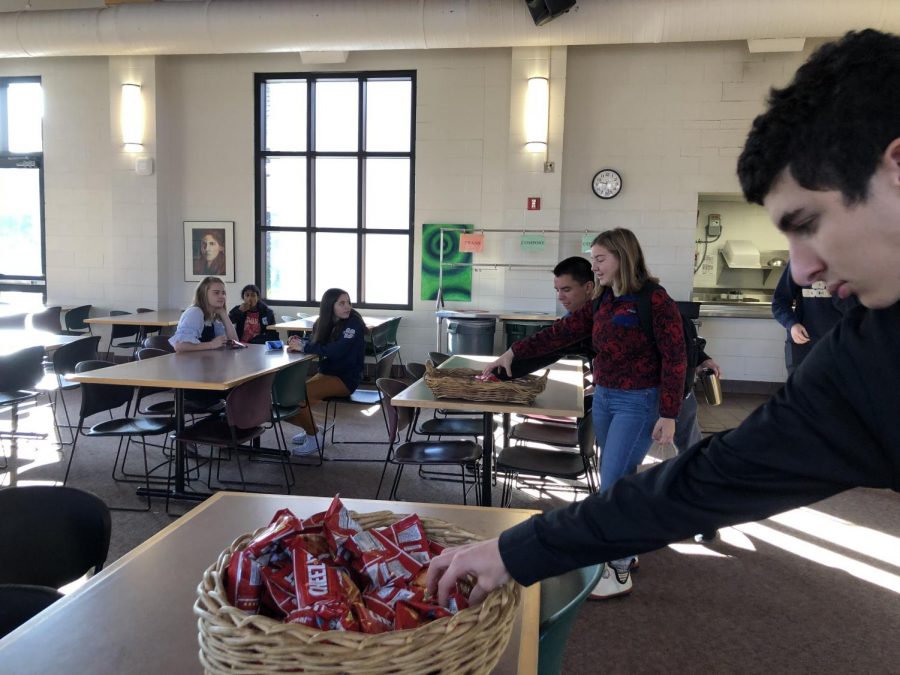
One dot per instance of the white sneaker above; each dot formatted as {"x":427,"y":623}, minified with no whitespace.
{"x":299,"y":439}
{"x":613,"y":583}
{"x":308,"y":447}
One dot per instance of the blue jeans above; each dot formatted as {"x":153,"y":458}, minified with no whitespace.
{"x":623,"y":422}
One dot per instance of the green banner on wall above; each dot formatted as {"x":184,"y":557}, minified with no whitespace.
{"x":457,"y":281}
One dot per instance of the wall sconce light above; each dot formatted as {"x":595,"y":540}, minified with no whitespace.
{"x":132,"y":118}
{"x":537,"y":114}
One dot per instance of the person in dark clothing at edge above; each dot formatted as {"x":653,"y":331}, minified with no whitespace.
{"x":807,"y":314}
{"x":253,"y":317}
{"x":824,"y":161}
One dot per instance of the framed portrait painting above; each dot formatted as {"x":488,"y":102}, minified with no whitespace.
{"x":209,"y":249}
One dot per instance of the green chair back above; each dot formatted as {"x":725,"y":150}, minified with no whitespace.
{"x":289,"y":387}
{"x":560,"y":599}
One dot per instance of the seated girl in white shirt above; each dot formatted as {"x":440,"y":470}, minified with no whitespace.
{"x":205,"y":324}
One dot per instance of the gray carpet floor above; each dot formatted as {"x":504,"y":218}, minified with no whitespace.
{"x":813,"y":591}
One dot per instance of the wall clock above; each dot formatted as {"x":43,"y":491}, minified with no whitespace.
{"x":607,"y":183}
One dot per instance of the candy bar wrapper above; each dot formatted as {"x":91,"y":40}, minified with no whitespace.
{"x":314,"y":524}
{"x":393,"y":566}
{"x":333,"y":615}
{"x":283,"y":524}
{"x":281,"y":594}
{"x":369,"y":621}
{"x":414,"y":613}
{"x":244,"y":582}
{"x":339,"y":526}
{"x":382,"y":601}
{"x":409,"y":534}
{"x":314,"y":545}
{"x":315,"y":581}
{"x":435,"y":549}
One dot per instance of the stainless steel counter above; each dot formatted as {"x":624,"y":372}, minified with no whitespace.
{"x":736,"y":310}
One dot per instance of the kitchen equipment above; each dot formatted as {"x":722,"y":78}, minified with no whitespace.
{"x":712,"y":387}
{"x":741,"y":254}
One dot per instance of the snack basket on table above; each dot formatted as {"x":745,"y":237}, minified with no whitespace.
{"x":461,"y":383}
{"x":470,"y":641}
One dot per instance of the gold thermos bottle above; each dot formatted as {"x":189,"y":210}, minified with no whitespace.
{"x":712,"y":388}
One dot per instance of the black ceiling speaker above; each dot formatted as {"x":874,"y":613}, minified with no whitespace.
{"x":543,"y":11}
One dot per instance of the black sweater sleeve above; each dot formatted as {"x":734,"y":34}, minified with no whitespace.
{"x":827,"y":430}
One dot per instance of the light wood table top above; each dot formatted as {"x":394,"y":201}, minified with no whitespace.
{"x":14,"y":340}
{"x":306,"y":325}
{"x":215,"y":369}
{"x":563,"y":396}
{"x":162,"y":317}
{"x":136,"y":615}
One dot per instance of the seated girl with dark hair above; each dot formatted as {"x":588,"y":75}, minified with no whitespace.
{"x":338,"y":337}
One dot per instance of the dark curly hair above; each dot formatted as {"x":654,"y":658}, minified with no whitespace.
{"x":831,"y":124}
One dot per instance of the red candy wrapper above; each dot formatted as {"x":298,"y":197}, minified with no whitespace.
{"x":244,"y":582}
{"x":409,"y":534}
{"x":281,"y":589}
{"x":339,"y":526}
{"x":283,"y":524}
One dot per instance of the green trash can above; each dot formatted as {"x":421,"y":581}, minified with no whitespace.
{"x":516,"y":330}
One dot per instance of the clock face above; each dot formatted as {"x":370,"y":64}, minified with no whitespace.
{"x":607,"y":183}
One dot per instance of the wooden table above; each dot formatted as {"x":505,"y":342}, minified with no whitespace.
{"x":306,"y":325}
{"x":563,"y":397}
{"x":214,"y":369}
{"x":162,"y":318}
{"x":16,"y":339}
{"x":136,"y":615}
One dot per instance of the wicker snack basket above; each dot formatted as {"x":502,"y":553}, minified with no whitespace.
{"x":461,"y":383}
{"x":237,"y":643}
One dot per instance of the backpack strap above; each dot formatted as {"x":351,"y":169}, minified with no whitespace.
{"x":645,"y":309}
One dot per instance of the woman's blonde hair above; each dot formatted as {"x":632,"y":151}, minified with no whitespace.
{"x":633,"y":272}
{"x":200,"y":299}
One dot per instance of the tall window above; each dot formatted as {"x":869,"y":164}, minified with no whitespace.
{"x":22,"y":274}
{"x":335,"y":174}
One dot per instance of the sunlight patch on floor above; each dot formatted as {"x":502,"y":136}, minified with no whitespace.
{"x":822,"y":556}
{"x":840,"y":532}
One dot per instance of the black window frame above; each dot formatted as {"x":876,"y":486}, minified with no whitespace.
{"x":361,"y":155}
{"x":14,"y":282}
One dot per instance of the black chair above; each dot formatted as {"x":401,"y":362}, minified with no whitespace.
{"x":131,"y":335}
{"x":158,"y":342}
{"x":534,"y":467}
{"x":384,"y":363}
{"x":47,"y":320}
{"x":18,"y":603}
{"x":196,"y":401}
{"x":248,"y":413}
{"x":51,"y":535}
{"x":382,"y":337}
{"x":97,"y":398}
{"x":288,"y":395}
{"x":421,"y":453}
{"x":64,"y":359}
{"x":20,"y":374}
{"x":437,"y":358}
{"x":146,"y":330}
{"x":74,"y":320}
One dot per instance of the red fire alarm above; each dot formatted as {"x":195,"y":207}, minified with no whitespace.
{"x":534,"y":204}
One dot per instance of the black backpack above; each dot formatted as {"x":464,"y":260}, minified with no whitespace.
{"x":693,"y":343}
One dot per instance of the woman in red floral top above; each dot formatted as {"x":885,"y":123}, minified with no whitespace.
{"x":638,"y":381}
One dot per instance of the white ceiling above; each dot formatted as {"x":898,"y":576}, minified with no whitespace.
{"x":88,"y":27}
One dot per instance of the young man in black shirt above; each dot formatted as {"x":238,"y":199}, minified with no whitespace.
{"x":824,"y":161}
